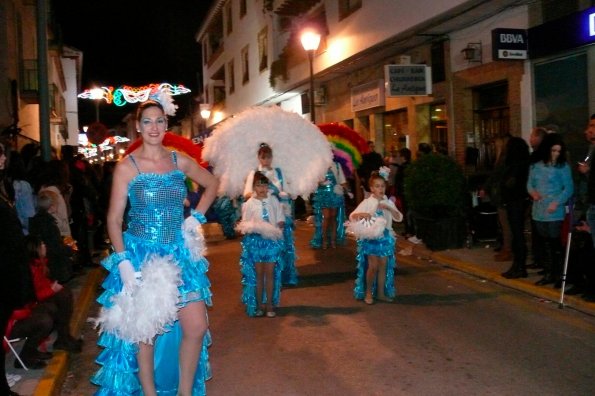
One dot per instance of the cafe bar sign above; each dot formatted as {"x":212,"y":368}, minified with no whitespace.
{"x":408,"y":80}
{"x":509,"y":44}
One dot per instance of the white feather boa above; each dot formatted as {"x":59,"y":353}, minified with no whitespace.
{"x":367,"y":229}
{"x":263,"y":228}
{"x":144,"y":313}
{"x":194,"y":239}
{"x":299,"y":148}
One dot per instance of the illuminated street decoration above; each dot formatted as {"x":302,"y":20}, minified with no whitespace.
{"x":127,"y":94}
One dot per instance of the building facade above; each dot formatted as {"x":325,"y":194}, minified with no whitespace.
{"x":19,"y":89}
{"x":485,"y":76}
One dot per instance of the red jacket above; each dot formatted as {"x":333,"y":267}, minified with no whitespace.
{"x":41,"y":282}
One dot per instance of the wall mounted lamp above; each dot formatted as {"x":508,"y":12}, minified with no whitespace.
{"x":472,"y":53}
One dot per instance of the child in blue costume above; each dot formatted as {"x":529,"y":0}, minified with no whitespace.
{"x":262,"y":224}
{"x":289,"y":275}
{"x":329,"y":209}
{"x":371,"y":222}
{"x":153,"y":181}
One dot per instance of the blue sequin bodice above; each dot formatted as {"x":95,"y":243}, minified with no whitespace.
{"x":157,"y":206}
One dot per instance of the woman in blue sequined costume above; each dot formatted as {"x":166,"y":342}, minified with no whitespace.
{"x":262,"y":224}
{"x":329,"y":209}
{"x":152,"y":180}
{"x":371,"y":222}
{"x":289,"y":275}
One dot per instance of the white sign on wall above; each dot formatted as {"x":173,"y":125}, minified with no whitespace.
{"x":408,"y":80}
{"x":367,"y":95}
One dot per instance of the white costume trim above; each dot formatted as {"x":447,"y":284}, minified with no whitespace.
{"x":147,"y":311}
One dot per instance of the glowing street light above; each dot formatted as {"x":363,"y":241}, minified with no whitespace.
{"x":310,"y":41}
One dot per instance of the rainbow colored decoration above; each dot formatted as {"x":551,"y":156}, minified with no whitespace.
{"x":127,"y":94}
{"x":348,"y":146}
{"x":177,"y":143}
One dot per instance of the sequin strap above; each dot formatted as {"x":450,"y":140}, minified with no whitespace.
{"x":134,"y":163}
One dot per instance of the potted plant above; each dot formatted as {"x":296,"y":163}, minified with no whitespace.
{"x":436,"y":194}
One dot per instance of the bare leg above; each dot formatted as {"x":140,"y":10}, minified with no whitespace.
{"x":146,"y":369}
{"x":371,"y":275}
{"x":270,"y":285}
{"x":193,"y":318}
{"x":260,"y":273}
{"x":382,"y":280}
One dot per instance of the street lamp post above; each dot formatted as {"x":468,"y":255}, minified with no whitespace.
{"x":310,"y":40}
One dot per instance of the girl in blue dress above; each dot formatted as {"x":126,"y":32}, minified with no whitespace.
{"x":289,"y":275}
{"x":174,"y":361}
{"x":329,"y":209}
{"x":371,"y":222}
{"x":262,"y":224}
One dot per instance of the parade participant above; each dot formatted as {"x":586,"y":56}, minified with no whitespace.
{"x":152,"y":180}
{"x":329,"y":209}
{"x":262,"y":224}
{"x":289,"y":275}
{"x":371,"y":223}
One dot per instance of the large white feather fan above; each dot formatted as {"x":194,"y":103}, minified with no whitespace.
{"x":299,"y":148}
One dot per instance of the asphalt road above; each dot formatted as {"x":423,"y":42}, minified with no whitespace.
{"x":447,"y":334}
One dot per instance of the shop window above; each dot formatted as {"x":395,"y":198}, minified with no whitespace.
{"x":395,"y":130}
{"x":348,"y":7}
{"x":242,"y":8}
{"x":245,"y":65}
{"x":263,"y":49}
{"x":232,"y":77}
{"x":228,"y":18}
{"x":438,"y":64}
{"x":439,"y":128}
{"x":491,"y":123}
{"x":562,"y":98}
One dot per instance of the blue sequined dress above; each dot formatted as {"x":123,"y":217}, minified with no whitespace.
{"x":258,"y":249}
{"x":154,"y":228}
{"x":325,"y":197}
{"x":382,"y":247}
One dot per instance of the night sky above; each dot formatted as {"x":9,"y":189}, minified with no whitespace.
{"x":133,"y":42}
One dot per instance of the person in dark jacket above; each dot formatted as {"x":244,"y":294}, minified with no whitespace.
{"x":513,"y":187}
{"x":14,"y":292}
{"x":43,"y":225}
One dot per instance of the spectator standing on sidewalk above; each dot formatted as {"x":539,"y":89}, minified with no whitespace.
{"x":514,"y":199}
{"x":585,"y":167}
{"x":550,"y":187}
{"x":23,"y":192}
{"x":371,"y":161}
{"x":12,"y":265}
{"x":535,"y":139}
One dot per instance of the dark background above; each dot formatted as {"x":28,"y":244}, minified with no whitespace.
{"x":133,"y":42}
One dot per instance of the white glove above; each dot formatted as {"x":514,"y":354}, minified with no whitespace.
{"x":191,"y":225}
{"x":130,"y":278}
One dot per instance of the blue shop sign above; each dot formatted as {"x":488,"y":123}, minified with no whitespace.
{"x":569,"y":32}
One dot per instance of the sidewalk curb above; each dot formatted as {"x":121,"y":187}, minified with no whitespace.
{"x":443,"y":258}
{"x":55,"y":373}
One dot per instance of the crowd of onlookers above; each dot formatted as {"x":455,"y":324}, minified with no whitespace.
{"x":51,"y":222}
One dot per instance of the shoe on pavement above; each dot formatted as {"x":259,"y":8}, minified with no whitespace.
{"x":414,"y":239}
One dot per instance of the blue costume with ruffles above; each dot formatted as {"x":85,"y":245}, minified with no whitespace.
{"x":325,"y":197}
{"x":382,"y":247}
{"x":258,"y":249}
{"x":154,"y":228}
{"x":289,"y":274}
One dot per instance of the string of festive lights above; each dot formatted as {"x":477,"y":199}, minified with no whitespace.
{"x":127,"y":94}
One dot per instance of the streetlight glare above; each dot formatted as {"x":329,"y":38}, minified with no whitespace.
{"x":310,"y":40}
{"x":96,"y":93}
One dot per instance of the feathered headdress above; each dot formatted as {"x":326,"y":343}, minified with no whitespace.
{"x":299,"y":149}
